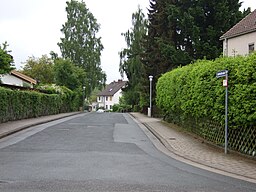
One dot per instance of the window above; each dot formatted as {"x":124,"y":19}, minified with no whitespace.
{"x":99,"y":99}
{"x":110,"y":98}
{"x":251,"y":47}
{"x":110,"y":106}
{"x":106,"y":107}
{"x":106,"y":98}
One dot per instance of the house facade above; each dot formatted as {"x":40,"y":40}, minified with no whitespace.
{"x":241,"y":38}
{"x":110,"y":95}
{"x":18,"y":79}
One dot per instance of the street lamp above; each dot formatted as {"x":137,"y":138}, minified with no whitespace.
{"x":150,"y":95}
{"x":83,"y":96}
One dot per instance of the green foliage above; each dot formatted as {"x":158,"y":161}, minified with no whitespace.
{"x":121,"y":108}
{"x":67,"y":74}
{"x":194,"y":91}
{"x":17,"y":104}
{"x":6,"y":60}
{"x":180,"y":32}
{"x":40,"y":69}
{"x":130,"y":62}
{"x":81,"y":45}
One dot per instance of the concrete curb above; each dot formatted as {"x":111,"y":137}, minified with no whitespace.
{"x":20,"y":128}
{"x":186,"y":159}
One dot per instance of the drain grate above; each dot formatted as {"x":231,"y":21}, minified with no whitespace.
{"x":172,"y":138}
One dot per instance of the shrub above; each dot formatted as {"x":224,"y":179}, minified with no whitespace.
{"x":17,"y":104}
{"x":194,"y":91}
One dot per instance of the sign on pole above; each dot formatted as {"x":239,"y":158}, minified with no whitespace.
{"x":224,"y":73}
{"x":221,"y":73}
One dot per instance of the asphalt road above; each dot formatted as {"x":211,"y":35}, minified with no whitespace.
{"x":99,"y":152}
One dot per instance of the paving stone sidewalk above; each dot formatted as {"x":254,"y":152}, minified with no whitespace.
{"x":15,"y":126}
{"x":195,"y":150}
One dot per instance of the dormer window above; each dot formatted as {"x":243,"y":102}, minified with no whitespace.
{"x":110,"y":89}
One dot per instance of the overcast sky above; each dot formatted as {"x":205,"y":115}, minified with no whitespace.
{"x":32,"y":27}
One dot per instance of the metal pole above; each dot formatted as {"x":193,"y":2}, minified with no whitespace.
{"x":150,"y":95}
{"x":83,"y":97}
{"x":226,"y":116}
{"x":150,"y":99}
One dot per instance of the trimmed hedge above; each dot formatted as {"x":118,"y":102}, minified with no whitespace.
{"x":16,"y":104}
{"x":193,"y":91}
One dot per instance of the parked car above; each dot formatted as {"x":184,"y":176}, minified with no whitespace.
{"x":100,"y":111}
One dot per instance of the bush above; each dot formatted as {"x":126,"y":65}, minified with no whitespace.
{"x":194,"y":91}
{"x":16,"y":104}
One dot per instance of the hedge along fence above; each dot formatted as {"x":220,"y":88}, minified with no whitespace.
{"x":15,"y":104}
{"x":194,"y":97}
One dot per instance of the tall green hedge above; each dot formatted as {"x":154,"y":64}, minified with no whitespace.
{"x":194,"y":91}
{"x":16,"y":104}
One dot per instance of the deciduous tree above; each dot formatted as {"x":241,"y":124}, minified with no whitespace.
{"x":130,"y":61}
{"x":81,"y":44}
{"x":40,"y":69}
{"x":67,"y":74}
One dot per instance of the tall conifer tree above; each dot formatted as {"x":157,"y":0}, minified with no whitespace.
{"x":180,"y":32}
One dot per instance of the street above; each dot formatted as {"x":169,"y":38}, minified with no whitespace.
{"x":99,"y":152}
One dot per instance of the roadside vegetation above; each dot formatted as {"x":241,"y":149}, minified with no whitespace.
{"x":63,"y":81}
{"x":193,"y":91}
{"x":174,"y":34}
{"x":178,"y":44}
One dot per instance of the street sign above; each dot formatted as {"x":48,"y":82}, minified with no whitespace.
{"x":222,"y":73}
{"x":225,"y":83}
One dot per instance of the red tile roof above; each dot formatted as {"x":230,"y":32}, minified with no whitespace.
{"x":24,"y":77}
{"x":246,"y":25}
{"x":112,"y":88}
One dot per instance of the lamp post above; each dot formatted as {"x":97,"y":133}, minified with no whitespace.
{"x":83,"y":97}
{"x":150,"y":95}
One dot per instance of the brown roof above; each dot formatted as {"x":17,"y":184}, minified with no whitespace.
{"x":112,"y":88}
{"x":246,"y":25}
{"x":23,"y":77}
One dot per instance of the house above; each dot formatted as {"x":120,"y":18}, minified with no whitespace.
{"x":18,"y":79}
{"x":111,"y":94}
{"x":241,"y":38}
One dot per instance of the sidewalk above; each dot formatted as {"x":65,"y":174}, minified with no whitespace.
{"x":15,"y":126}
{"x":194,"y":151}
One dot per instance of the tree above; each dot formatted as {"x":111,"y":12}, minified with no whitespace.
{"x":130,"y":61}
{"x":40,"y":69}
{"x":6,"y":60}
{"x":81,"y":45}
{"x":67,"y":74}
{"x":208,"y":20}
{"x":161,"y":53}
{"x":180,"y":32}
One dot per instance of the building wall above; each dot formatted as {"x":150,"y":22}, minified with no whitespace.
{"x":108,"y":101}
{"x":11,"y":80}
{"x":238,"y":45}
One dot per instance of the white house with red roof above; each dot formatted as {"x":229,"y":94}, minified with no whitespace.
{"x":18,"y":79}
{"x":111,"y":94}
{"x":241,"y":38}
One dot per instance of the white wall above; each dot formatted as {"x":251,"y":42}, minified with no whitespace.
{"x":106,"y":103}
{"x":11,"y":80}
{"x":238,"y":45}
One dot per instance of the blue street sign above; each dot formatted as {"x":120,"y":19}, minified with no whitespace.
{"x":224,"y":73}
{"x":221,"y":73}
